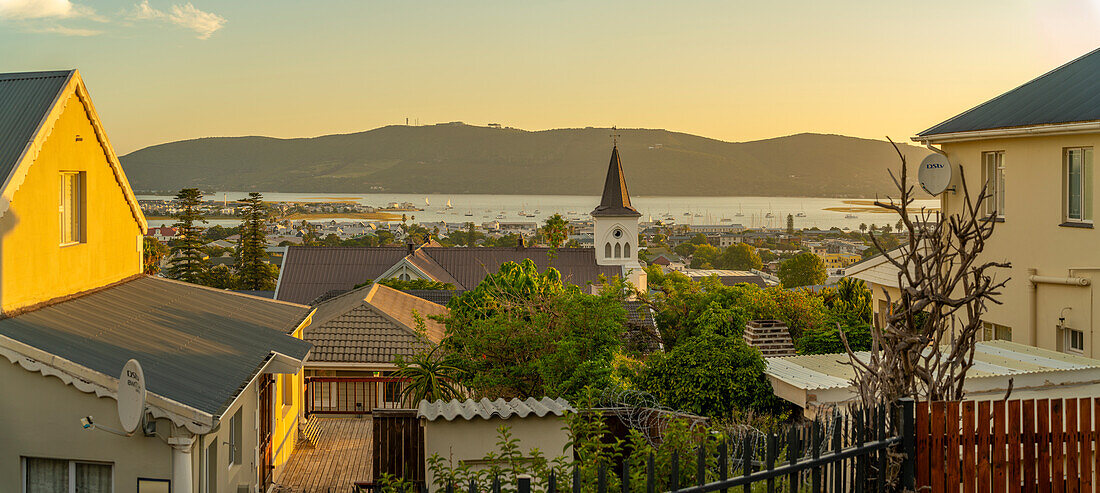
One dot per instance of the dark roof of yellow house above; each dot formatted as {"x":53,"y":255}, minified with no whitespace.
{"x":198,"y":346}
{"x":25,"y":100}
{"x":1067,"y":94}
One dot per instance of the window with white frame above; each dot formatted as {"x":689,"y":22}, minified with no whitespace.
{"x":71,"y":207}
{"x":1074,"y":340}
{"x":236,"y":435}
{"x":52,"y":475}
{"x":996,"y":332}
{"x":1077,"y":183}
{"x":993,"y":173}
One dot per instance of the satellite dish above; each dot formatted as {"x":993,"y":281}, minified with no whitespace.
{"x":935,"y":174}
{"x":131,"y":396}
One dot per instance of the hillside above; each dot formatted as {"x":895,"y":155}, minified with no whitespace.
{"x":458,"y":158}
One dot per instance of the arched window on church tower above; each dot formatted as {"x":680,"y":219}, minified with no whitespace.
{"x":618,"y":250}
{"x":607,"y":250}
{"x":626,"y":250}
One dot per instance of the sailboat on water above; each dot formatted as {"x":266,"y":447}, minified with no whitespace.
{"x":426,"y":202}
{"x":740,"y":212}
{"x":449,"y":206}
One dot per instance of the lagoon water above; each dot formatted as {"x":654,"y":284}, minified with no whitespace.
{"x":683,"y":210}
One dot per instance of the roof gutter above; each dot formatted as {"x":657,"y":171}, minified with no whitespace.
{"x":996,"y":133}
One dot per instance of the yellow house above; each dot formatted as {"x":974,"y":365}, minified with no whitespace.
{"x":1033,"y":146}
{"x":223,"y":371}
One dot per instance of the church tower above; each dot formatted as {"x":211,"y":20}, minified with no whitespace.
{"x":615,"y":225}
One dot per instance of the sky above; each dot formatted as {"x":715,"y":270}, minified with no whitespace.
{"x":165,"y":70}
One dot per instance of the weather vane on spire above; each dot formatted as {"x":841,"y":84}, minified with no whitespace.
{"x":615,"y":136}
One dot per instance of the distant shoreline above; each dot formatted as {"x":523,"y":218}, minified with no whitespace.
{"x":372,"y":216}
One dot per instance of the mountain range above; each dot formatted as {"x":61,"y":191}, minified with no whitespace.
{"x":460,"y":158}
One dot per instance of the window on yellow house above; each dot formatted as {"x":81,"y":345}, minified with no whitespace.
{"x":286,"y":383}
{"x":1077,"y":183}
{"x":993,"y":173}
{"x":71,"y":207}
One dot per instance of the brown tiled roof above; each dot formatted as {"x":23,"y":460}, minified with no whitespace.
{"x":309,"y":272}
{"x":372,"y":324}
{"x":468,"y":266}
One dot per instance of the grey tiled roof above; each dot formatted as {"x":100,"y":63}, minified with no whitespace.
{"x":1067,"y":94}
{"x":25,"y":99}
{"x":437,"y":296}
{"x":371,"y":324}
{"x":485,"y":409}
{"x":198,"y":346}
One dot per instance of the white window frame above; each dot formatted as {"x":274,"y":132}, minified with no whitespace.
{"x":78,"y":205}
{"x":1067,"y":343}
{"x":1084,"y":190}
{"x":72,"y":472}
{"x":236,"y":437}
{"x":993,"y":172}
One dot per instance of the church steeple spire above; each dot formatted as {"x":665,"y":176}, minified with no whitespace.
{"x":616,"y":199}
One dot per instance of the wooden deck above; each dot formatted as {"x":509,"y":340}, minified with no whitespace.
{"x":335,"y":453}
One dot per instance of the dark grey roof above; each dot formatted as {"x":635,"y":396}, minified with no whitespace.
{"x":437,"y":296}
{"x":638,"y":313}
{"x":485,"y":409}
{"x":262,"y":294}
{"x":25,"y":99}
{"x":309,"y":272}
{"x":198,"y":346}
{"x":468,"y":266}
{"x":371,"y":324}
{"x":1067,"y":94}
{"x":616,"y":198}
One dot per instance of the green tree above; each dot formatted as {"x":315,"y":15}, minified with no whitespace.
{"x":430,"y":377}
{"x":555,"y":231}
{"x":790,"y":224}
{"x":699,"y":239}
{"x":804,"y":269}
{"x":704,"y":257}
{"x":221,"y":277}
{"x":471,"y":232}
{"x":523,"y":333}
{"x":711,"y":375}
{"x":741,"y":256}
{"x":188,"y":261}
{"x":253,"y":272}
{"x":862,"y":227}
{"x":153,"y":251}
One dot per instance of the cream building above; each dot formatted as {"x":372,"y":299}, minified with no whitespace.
{"x":1034,"y":147}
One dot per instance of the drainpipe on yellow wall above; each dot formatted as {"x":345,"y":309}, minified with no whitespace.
{"x":1033,"y":283}
{"x":1092,"y":296}
{"x":1032,"y":320}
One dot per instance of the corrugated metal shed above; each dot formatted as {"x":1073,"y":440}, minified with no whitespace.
{"x":1067,"y":94}
{"x":991,"y":359}
{"x":485,"y":409}
{"x":198,"y":346}
{"x":25,"y":99}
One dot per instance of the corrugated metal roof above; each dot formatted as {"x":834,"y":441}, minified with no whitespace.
{"x":485,"y":409}
{"x":469,"y":266}
{"x":1067,"y":94}
{"x":25,"y":100}
{"x":437,"y":296}
{"x":309,"y":272}
{"x":372,"y":324}
{"x":991,"y":359}
{"x":198,"y":346}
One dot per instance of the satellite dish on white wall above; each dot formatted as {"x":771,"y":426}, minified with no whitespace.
{"x":935,"y":174}
{"x":131,"y":396}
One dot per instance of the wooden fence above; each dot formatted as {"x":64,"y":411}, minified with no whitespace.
{"x":1017,"y":445}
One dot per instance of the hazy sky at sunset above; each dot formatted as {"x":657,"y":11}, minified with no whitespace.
{"x":162,"y":70}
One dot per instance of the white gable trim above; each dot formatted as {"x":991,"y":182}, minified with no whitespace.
{"x":403,"y":264}
{"x":90,"y":381}
{"x":74,"y":85}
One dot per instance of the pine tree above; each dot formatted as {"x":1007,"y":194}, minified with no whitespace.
{"x":790,"y":224}
{"x":252,"y":272}
{"x":188,"y":261}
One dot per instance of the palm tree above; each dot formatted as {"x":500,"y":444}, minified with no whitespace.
{"x":429,"y":377}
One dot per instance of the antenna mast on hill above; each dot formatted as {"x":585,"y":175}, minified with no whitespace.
{"x":615,"y":136}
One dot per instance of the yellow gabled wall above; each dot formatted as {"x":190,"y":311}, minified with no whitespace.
{"x":33,"y":266}
{"x":288,"y":411}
